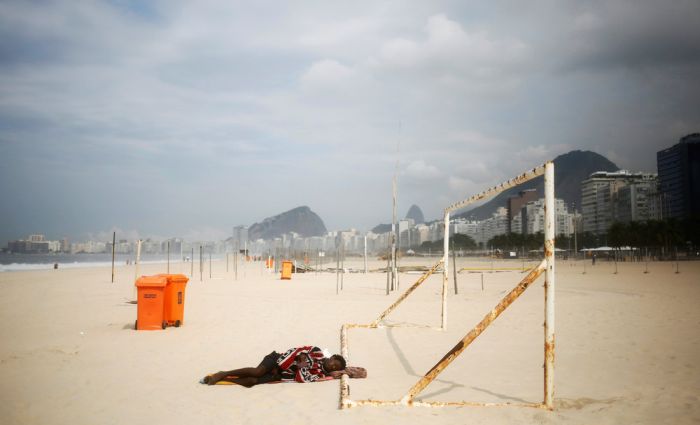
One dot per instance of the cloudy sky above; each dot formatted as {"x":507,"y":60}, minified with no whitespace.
{"x":179,"y":118}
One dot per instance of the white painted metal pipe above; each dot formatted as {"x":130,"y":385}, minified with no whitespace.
{"x":549,"y":232}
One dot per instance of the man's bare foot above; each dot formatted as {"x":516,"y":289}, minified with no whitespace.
{"x":214,"y":378}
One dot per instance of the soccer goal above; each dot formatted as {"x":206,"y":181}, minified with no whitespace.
{"x":546,"y":266}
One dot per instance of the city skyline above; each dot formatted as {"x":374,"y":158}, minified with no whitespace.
{"x":177,"y":119}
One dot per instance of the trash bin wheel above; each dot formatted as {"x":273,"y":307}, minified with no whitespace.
{"x":164,"y":324}
{"x":136,"y":324}
{"x":177,"y":323}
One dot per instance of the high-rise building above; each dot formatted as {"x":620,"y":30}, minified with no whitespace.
{"x":607,"y":197}
{"x":634,"y":201}
{"x":679,"y":178}
{"x":240,"y":236}
{"x":533,"y":215}
{"x":515,"y":204}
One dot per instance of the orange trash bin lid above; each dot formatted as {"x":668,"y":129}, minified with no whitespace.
{"x":176,"y":278}
{"x":151,"y":281}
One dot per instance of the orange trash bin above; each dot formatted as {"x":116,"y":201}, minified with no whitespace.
{"x":174,"y":300}
{"x":286,"y":270}
{"x":150,"y":302}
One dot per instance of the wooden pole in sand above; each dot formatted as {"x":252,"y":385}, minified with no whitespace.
{"x":677,"y":270}
{"x":646,"y":263}
{"x":138,"y":258}
{"x":454,"y":266}
{"x":192,"y":264}
{"x":114,"y":240}
{"x":365,"y":254}
{"x":200,"y":263}
{"x":342,"y":265}
{"x":138,"y":261}
{"x":388,"y":271}
{"x":393,"y":233}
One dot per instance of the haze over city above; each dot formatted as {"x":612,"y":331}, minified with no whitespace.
{"x":184,"y":119}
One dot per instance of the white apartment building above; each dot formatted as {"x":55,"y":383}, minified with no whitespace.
{"x":607,"y":197}
{"x":466,"y":227}
{"x":635,"y":201}
{"x":497,"y":224}
{"x":532,"y":219}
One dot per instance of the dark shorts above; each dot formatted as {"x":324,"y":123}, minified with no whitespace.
{"x":269,"y":362}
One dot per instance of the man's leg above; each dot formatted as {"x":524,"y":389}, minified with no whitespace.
{"x":268,"y":365}
{"x":252,"y":381}
{"x":246,"y":382}
{"x":245,"y":372}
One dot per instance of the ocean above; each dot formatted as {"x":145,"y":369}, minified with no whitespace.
{"x":19,"y":262}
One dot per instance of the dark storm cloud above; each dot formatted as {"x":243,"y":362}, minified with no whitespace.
{"x":636,"y":34}
{"x":217,"y":113}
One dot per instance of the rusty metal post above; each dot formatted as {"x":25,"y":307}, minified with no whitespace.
{"x":445,"y":257}
{"x":473,"y":334}
{"x":549,"y":232}
{"x":406,"y":294}
{"x":344,"y":386}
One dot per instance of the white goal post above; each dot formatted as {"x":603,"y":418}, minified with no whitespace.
{"x":546,"y":267}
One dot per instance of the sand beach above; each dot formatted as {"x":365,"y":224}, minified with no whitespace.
{"x":627,"y":346}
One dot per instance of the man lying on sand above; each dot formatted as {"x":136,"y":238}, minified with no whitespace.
{"x":300,"y":364}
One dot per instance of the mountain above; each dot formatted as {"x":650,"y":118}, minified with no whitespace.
{"x":300,"y":220}
{"x":416,"y":214}
{"x":570,"y":169}
{"x":381,"y":228}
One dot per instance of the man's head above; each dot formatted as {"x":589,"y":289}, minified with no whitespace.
{"x":334,"y":363}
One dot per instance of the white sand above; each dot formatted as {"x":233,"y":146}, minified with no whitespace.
{"x":627,"y":347}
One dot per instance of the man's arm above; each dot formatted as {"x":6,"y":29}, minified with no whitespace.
{"x":289,"y":358}
{"x":309,"y":374}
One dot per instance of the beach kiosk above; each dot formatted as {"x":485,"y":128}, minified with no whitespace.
{"x":286,"y":270}
{"x":149,"y":307}
{"x":174,"y":299}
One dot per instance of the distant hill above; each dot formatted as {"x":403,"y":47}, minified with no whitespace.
{"x":381,"y":228}
{"x":300,"y":220}
{"x":416,"y":214}
{"x":570,"y":169}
